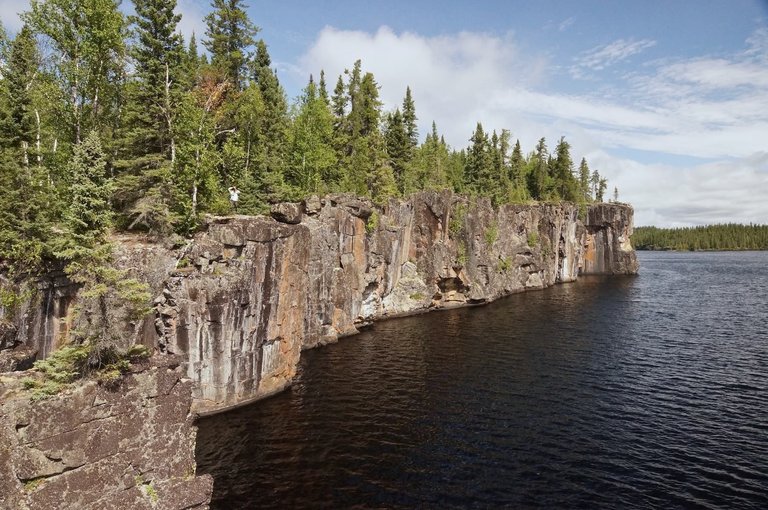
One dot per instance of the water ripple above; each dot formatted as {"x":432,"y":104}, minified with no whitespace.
{"x":646,"y":392}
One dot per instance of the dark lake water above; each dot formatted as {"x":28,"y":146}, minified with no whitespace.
{"x":624,"y":392}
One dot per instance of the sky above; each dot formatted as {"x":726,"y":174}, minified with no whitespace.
{"x":667,"y":99}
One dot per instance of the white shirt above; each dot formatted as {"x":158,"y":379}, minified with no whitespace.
{"x":234,"y":194}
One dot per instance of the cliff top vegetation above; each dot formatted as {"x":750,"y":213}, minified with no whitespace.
{"x":114,"y":121}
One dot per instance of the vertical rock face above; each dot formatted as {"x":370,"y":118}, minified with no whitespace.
{"x":246,"y":295}
{"x":96,"y":448}
{"x":236,"y":309}
{"x":608,"y":249}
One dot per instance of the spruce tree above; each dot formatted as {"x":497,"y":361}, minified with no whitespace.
{"x":274,"y":126}
{"x":409,"y":119}
{"x":312,"y":161}
{"x":399,"y":150}
{"x":584,"y":191}
{"x":230,"y":34}
{"x":538,"y":177}
{"x":18,"y":125}
{"x":479,"y":168}
{"x":565,"y":186}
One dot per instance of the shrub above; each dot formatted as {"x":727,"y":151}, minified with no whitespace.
{"x":373,"y":222}
{"x":492,"y":233}
{"x":533,"y":238}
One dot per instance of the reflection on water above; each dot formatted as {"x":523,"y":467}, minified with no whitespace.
{"x":628,"y":392}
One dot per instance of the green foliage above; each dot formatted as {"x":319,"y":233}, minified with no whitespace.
{"x":533,"y":238}
{"x":417,"y":296}
{"x":504,"y":265}
{"x":456,"y":223}
{"x":373,"y":222}
{"x":88,"y":41}
{"x":729,"y":236}
{"x":492,"y":233}
{"x":74,"y":362}
{"x":312,"y":166}
{"x":230,"y":33}
{"x":461,"y":254}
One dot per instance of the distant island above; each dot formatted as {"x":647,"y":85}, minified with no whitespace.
{"x":729,"y":236}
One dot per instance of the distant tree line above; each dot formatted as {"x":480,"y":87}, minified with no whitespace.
{"x":111,"y":121}
{"x":730,"y":236}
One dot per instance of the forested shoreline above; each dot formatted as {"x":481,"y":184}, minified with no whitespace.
{"x":726,"y":237}
{"x":116,"y":122}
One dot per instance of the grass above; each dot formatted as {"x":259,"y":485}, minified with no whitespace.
{"x":492,"y":233}
{"x":533,"y":238}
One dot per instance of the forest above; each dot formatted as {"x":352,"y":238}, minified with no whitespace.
{"x":113,"y":122}
{"x":729,"y":236}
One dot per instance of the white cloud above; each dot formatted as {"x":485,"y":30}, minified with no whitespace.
{"x":601,"y":57}
{"x":665,"y":195}
{"x":565,"y":24}
{"x":703,"y":109}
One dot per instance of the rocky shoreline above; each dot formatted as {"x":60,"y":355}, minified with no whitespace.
{"x":238,"y":303}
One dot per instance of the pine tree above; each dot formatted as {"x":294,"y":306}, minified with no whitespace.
{"x":230,"y":33}
{"x":431,"y":164}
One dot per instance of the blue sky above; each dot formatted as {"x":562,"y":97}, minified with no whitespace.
{"x":668,"y":99}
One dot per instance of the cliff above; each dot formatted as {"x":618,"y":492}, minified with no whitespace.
{"x":101,"y":448}
{"x":242,"y":299}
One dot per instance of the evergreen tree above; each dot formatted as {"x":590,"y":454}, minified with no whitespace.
{"x":538,"y":177}
{"x":146,"y":149}
{"x":565,"y":186}
{"x":409,"y":119}
{"x":517,"y":175}
{"x":323,"y":89}
{"x":192,"y":63}
{"x":479,"y":169}
{"x":18,"y":125}
{"x":274,"y":125}
{"x":27,"y":201}
{"x":431,"y":164}
{"x":230,"y":33}
{"x":398,"y":148}
{"x":158,"y":57}
{"x":88,"y":218}
{"x":584,"y":175}
{"x":312,"y":158}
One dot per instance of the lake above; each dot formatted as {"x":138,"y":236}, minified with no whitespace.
{"x":612,"y":392}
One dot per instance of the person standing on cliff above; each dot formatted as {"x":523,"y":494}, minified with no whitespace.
{"x":234,"y":196}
